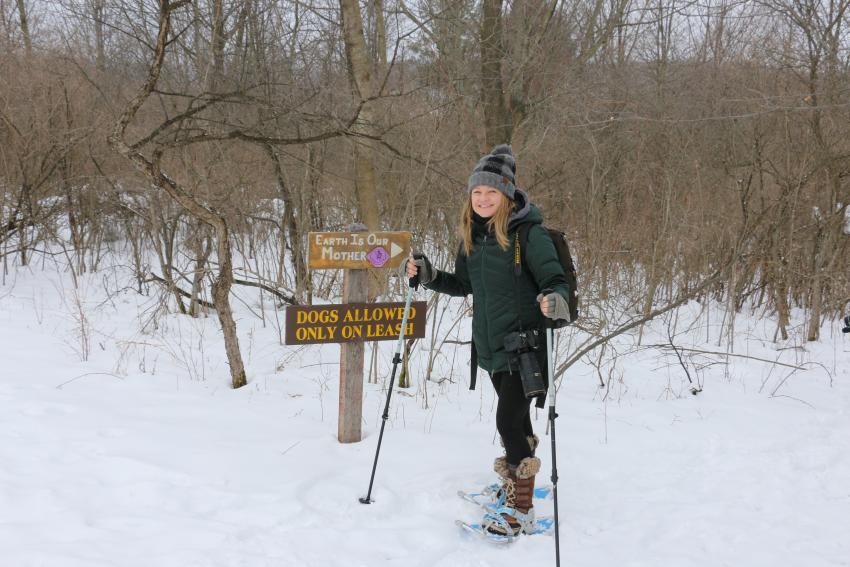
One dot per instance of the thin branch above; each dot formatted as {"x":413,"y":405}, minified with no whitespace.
{"x":642,"y":320}
{"x":75,"y":378}
{"x":282,"y":296}
{"x":184,"y":293}
{"x":718,"y":353}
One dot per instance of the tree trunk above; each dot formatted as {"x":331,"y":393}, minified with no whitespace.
{"x":290,"y":227}
{"x":217,"y":46}
{"x":380,"y":43}
{"x":783,"y":310}
{"x":497,"y":120}
{"x":25,"y":26}
{"x":163,"y":235}
{"x":364,"y":129}
{"x":815,"y":309}
{"x":202,"y":247}
{"x":23,"y":213}
{"x":359,"y":67}
{"x":221,"y":300}
{"x":100,"y":57}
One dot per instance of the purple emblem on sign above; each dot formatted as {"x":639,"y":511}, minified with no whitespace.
{"x":378,"y":257}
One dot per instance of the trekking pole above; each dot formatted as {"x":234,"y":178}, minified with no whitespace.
{"x":412,"y":284}
{"x":550,"y":359}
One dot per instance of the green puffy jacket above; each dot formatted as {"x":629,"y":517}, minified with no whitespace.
{"x":500,"y":301}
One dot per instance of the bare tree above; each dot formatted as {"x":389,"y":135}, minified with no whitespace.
{"x":23,"y":16}
{"x":364,"y":130}
{"x":151,"y":167}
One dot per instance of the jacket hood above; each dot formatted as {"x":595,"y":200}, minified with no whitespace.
{"x":524,"y":211}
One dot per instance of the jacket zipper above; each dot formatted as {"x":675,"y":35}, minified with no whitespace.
{"x":486,"y":310}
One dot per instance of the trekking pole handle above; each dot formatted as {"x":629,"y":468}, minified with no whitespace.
{"x":548,"y":322}
{"x":415,"y":280}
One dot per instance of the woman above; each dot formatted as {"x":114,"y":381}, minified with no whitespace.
{"x":504,"y":302}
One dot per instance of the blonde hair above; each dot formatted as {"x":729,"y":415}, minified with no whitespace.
{"x":498,"y":223}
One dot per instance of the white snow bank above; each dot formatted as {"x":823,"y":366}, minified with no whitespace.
{"x":142,"y":455}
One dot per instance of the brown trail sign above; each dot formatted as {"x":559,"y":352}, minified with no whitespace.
{"x":351,"y":322}
{"x":354,"y":321}
{"x":357,"y":250}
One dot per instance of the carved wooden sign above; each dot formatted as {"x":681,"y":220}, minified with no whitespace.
{"x":357,"y":250}
{"x":352,"y":322}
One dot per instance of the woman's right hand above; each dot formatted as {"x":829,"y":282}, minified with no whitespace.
{"x":412,"y":268}
{"x":418,"y":264}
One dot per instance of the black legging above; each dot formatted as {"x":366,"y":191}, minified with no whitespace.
{"x":513,"y":419}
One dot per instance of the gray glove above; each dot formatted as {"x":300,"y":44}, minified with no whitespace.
{"x":556,"y":305}
{"x":426,"y":272}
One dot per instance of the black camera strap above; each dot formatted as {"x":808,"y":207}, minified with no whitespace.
{"x":517,"y":273}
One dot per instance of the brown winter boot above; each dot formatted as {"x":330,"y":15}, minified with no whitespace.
{"x":501,"y":467}
{"x":525,"y":473}
{"x":516,"y":515}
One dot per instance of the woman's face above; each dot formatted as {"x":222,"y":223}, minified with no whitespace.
{"x":485,"y":200}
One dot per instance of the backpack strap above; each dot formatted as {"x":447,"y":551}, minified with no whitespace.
{"x":519,"y":251}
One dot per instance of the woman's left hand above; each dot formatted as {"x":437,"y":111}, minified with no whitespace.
{"x":554,"y":306}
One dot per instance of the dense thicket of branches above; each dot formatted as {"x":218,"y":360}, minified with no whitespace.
{"x":655,"y":131}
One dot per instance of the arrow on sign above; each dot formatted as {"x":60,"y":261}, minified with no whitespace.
{"x":395,"y":250}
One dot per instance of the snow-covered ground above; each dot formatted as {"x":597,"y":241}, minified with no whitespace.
{"x":120,"y":447}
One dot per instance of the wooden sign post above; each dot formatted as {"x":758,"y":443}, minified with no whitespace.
{"x":355,"y":289}
{"x":355,"y":321}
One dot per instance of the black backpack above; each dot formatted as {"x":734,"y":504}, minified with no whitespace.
{"x":559,"y":239}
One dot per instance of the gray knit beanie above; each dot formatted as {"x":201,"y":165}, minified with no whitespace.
{"x":497,"y":170}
